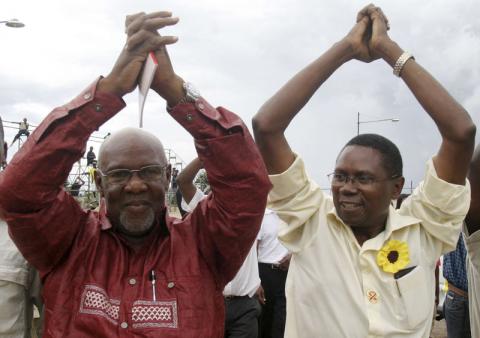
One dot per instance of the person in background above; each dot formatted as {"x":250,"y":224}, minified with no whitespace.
{"x":472,"y":242}
{"x":19,"y":282}
{"x":91,"y":156}
{"x":22,"y":130}
{"x":242,"y":293}
{"x":273,"y":262}
{"x":455,"y":306}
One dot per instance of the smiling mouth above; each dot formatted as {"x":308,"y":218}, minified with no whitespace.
{"x":350,"y":205}
{"x":136,"y":203}
{"x":137,"y":206}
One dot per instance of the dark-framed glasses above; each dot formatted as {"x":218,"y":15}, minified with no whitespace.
{"x":362,"y":180}
{"x":149,"y":173}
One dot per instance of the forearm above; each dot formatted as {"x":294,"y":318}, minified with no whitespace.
{"x":185,"y":179}
{"x":276,"y":114}
{"x":452,"y":120}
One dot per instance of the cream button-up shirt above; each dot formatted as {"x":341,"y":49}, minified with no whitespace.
{"x":335,"y":287}
{"x":473,"y":272}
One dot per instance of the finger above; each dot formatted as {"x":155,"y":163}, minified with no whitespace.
{"x":131,"y":17}
{"x":154,"y":24}
{"x":146,"y":41}
{"x":159,"y":14}
{"x":364,"y":12}
{"x":384,"y":18}
{"x":151,"y":24}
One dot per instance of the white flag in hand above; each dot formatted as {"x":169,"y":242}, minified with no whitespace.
{"x":146,"y":79}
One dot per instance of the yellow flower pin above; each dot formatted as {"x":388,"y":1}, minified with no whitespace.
{"x":393,"y":256}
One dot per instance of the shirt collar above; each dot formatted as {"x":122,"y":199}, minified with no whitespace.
{"x":395,"y":221}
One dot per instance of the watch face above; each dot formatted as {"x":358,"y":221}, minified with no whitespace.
{"x":191,"y":92}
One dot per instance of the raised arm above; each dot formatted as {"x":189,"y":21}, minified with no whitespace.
{"x":273,"y":118}
{"x":453,"y":122}
{"x":185,"y":179}
{"x":473,"y":217}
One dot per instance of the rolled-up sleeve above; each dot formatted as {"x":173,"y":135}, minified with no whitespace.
{"x":441,"y":206}
{"x":296,"y":199}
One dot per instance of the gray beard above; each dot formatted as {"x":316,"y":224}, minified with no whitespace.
{"x":137,"y":225}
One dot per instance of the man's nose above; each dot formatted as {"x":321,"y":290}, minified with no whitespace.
{"x":350,"y":186}
{"x":135,"y":183}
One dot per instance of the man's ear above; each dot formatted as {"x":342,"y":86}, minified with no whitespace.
{"x":397,"y":187}
{"x":98,"y":182}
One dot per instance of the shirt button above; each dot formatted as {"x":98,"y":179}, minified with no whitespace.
{"x":189,"y":117}
{"x":170,"y":285}
{"x":98,"y":107}
{"x":201,"y":106}
{"x":124,"y":325}
{"x":132,"y":281}
{"x":86,"y":96}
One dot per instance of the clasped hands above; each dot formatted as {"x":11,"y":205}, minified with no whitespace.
{"x":368,"y":38}
{"x":142,"y":38}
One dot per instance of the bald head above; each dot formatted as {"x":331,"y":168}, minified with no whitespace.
{"x":131,"y":141}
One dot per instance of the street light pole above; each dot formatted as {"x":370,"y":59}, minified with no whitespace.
{"x":14,"y":23}
{"x":372,"y":121}
{"x":358,"y":123}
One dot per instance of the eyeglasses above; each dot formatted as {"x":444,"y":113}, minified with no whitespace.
{"x":362,"y":180}
{"x":149,"y":173}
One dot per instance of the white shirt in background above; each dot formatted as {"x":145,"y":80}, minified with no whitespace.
{"x":247,"y":280}
{"x":270,"y":250}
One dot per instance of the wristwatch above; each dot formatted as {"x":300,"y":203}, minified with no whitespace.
{"x":191,"y":95}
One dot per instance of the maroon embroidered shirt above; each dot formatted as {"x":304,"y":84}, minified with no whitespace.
{"x":95,"y":283}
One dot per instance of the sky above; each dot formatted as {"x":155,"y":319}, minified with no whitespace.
{"x":238,"y":53}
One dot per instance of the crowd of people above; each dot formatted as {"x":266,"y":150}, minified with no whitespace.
{"x":266,"y":252}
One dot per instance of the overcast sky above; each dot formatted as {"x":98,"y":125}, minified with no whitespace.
{"x":238,"y":53}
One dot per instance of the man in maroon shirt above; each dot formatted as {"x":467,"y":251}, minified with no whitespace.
{"x":130,"y":270}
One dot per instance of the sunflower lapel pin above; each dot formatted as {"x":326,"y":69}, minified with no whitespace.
{"x":394,"y":256}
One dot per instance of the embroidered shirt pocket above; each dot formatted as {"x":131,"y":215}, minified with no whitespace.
{"x":151,"y":314}
{"x":415,"y":296}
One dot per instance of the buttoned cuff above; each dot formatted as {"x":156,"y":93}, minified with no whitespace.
{"x":203,"y":121}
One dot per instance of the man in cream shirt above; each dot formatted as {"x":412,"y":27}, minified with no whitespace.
{"x":360,"y":268}
{"x":472,"y":241}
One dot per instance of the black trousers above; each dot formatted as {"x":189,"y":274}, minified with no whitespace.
{"x":274,"y":312}
{"x":241,"y":317}
{"x":20,"y":133}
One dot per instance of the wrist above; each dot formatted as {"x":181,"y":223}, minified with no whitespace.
{"x":345,"y":50}
{"x":171,"y":90}
{"x":389,"y":51}
{"x":106,"y":85}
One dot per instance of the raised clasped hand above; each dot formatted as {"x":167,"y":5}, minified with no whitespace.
{"x":369,"y":34}
{"x":142,"y":37}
